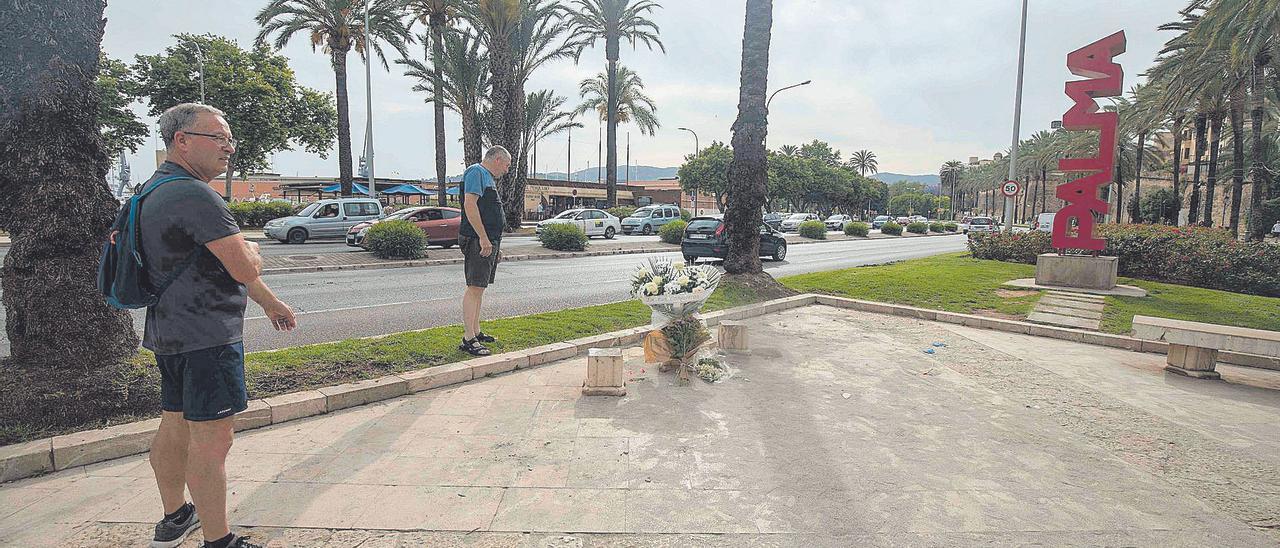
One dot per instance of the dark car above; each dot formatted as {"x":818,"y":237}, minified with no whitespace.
{"x":774,"y":220}
{"x":705,"y":237}
{"x":880,"y":221}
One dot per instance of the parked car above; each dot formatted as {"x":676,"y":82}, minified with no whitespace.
{"x":648,"y":219}
{"x":774,"y":220}
{"x":837,"y":222}
{"x":879,"y":221}
{"x":323,"y":219}
{"x":919,"y":219}
{"x":705,"y":238}
{"x":1275,"y":229}
{"x":439,"y":223}
{"x":594,"y":222}
{"x":980,"y":224}
{"x":904,"y":221}
{"x":1043,"y":222}
{"x":792,"y":223}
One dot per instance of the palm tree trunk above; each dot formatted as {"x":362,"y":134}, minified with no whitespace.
{"x":437,"y":84}
{"x":508,"y":123}
{"x":748,"y":171}
{"x":1212,"y":182}
{"x":470,"y":136}
{"x":1259,"y":173}
{"x":611,"y":125}
{"x":1236,"y":116}
{"x":1177,"y":163}
{"x":1193,"y":216}
{"x":339,"y":62}
{"x":1044,"y":192}
{"x":1135,"y":209}
{"x":69,"y":349}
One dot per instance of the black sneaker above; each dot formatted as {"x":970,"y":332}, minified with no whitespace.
{"x":240,"y":542}
{"x":171,"y":533}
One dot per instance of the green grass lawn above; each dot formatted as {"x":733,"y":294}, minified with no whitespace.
{"x":1190,"y":303}
{"x":952,"y":282}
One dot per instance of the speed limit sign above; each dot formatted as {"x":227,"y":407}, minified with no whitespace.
{"x":1011,"y":188}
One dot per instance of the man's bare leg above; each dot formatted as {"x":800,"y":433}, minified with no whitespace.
{"x":471,"y":301}
{"x":207,"y":473}
{"x":169,"y":460}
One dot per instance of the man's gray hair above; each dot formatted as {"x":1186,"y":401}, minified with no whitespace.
{"x":495,"y":151}
{"x":182,"y":117}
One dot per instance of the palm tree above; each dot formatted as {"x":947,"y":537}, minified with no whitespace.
{"x":864,"y":162}
{"x":437,"y":14}
{"x":337,"y":27}
{"x":748,"y":171}
{"x":544,"y":118}
{"x":70,"y":351}
{"x":950,"y":175}
{"x":614,"y":21}
{"x":631,"y":103}
{"x":465,"y":82}
{"x":789,"y":150}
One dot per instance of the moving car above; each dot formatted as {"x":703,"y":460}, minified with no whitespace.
{"x":792,"y":223}
{"x":837,"y":222}
{"x":980,"y":224}
{"x":879,"y":221}
{"x":1043,"y":222}
{"x":439,"y":223}
{"x":705,"y":238}
{"x":594,"y":222}
{"x":323,"y":219}
{"x":648,"y":219}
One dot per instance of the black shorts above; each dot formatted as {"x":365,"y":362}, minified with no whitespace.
{"x":480,"y":271}
{"x":204,"y":385}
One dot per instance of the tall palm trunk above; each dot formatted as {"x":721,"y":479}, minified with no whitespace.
{"x":1211,"y":184}
{"x":611,"y":125}
{"x":470,"y":136}
{"x":339,"y":62}
{"x":69,"y":349}
{"x":1259,"y":173}
{"x":749,"y":169}
{"x":1177,"y":164}
{"x":1135,"y":208}
{"x":1193,"y":216}
{"x":507,"y":123}
{"x":437,"y":84}
{"x":1236,"y":115}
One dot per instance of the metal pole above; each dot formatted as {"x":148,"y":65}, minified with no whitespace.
{"x":1017,"y":121}
{"x":200,"y":61}
{"x":568,"y":162}
{"x":368,"y":95}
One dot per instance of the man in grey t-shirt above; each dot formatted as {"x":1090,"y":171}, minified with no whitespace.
{"x":196,"y":329}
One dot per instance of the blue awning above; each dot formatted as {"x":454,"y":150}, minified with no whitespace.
{"x":407,"y":189}
{"x":356,"y":187}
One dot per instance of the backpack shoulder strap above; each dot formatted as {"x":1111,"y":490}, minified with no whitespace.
{"x":159,"y":182}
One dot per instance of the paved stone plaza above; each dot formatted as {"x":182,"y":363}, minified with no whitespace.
{"x":838,"y":430}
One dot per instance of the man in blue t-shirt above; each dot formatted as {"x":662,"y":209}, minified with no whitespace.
{"x":479,"y":237}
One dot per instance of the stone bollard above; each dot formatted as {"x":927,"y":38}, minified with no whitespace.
{"x":732,"y":337}
{"x":604,"y":373}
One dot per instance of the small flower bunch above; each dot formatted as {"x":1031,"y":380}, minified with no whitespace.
{"x":661,"y":277}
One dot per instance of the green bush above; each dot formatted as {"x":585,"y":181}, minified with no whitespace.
{"x":937,"y":227}
{"x":1265,"y":217}
{"x":685,"y":215}
{"x":563,"y":237}
{"x":672,"y":232}
{"x":952,"y":227}
{"x":396,"y":240}
{"x":256,"y":214}
{"x":891,"y":228}
{"x":621,"y":212}
{"x":1201,"y":257}
{"x":857,"y":229}
{"x":814,"y":230}
{"x":918,"y":228}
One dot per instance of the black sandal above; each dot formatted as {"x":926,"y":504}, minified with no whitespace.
{"x":485,"y":338}
{"x":474,"y":347}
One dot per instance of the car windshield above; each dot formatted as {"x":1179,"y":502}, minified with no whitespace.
{"x":700,"y":224}
{"x":568,"y":214}
{"x":402,"y":214}
{"x":980,"y":222}
{"x":307,"y":211}
{"x":799,"y":216}
{"x":882,"y":218}
{"x":641,"y":213}
{"x":835,"y":218}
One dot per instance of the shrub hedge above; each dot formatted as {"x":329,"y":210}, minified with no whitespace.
{"x":673,"y":231}
{"x":396,"y":240}
{"x":256,"y":214}
{"x":1196,"y":256}
{"x":937,"y":227}
{"x":621,"y":212}
{"x":563,"y":237}
{"x":918,"y":228}
{"x":891,"y":228}
{"x":952,"y":227}
{"x":857,"y":229}
{"x":814,"y":230}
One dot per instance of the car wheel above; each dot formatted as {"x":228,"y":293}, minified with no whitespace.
{"x":609,"y":233}
{"x":448,"y":245}
{"x":689,"y":259}
{"x":297,"y":236}
{"x":647,"y":230}
{"x":780,"y":252}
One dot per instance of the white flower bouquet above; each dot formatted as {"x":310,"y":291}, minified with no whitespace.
{"x":673,"y":290}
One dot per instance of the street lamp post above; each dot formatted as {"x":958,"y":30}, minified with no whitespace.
{"x":1009,"y":201}
{"x":200,"y":61}
{"x":697,"y":149}
{"x":368,"y":95}
{"x":766,"y":103}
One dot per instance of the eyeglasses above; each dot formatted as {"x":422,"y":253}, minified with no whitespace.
{"x":221,"y":139}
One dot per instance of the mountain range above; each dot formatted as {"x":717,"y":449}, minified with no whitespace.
{"x":638,"y":173}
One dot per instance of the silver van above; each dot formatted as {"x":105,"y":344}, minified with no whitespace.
{"x":323,"y":219}
{"x":649,"y":219}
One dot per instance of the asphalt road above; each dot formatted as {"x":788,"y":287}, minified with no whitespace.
{"x":340,"y":305}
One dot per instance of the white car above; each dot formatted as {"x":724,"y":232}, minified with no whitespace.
{"x":1043,"y":222}
{"x":594,"y":222}
{"x":837,"y":222}
{"x":980,"y":224}
{"x":1275,"y":229}
{"x":792,"y":222}
{"x":920,"y":219}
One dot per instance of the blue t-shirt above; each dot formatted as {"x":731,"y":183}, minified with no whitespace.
{"x":478,"y":182}
{"x":476,"y":179}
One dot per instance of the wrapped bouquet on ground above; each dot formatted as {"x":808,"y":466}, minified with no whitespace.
{"x":675,"y":292}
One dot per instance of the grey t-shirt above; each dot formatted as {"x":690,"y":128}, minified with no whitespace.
{"x":204,"y":307}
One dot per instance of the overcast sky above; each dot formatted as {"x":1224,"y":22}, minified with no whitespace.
{"x":918,"y":82}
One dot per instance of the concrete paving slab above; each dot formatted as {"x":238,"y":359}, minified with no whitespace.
{"x":1072,"y":303}
{"x":1062,"y":320}
{"x":1067,"y":311}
